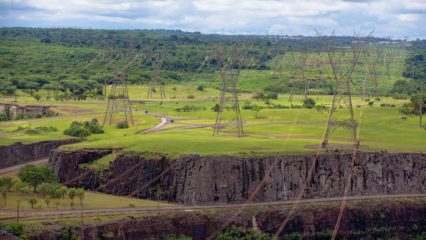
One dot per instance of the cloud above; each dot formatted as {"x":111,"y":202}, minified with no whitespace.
{"x":388,"y":17}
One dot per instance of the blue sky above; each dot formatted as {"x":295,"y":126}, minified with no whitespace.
{"x":395,"y":18}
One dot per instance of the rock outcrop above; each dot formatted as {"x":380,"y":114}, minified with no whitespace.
{"x":231,"y":179}
{"x":19,"y":153}
{"x":374,"y":220}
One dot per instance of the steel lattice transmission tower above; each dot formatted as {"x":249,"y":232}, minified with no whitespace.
{"x":343,"y":62}
{"x":157,"y":60}
{"x":118,"y":101}
{"x":231,"y":60}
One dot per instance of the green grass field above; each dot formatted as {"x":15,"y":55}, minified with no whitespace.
{"x":268,"y":130}
{"x":91,"y":200}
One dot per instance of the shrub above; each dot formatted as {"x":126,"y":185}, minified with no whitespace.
{"x":309,"y":103}
{"x":84,"y":129}
{"x":189,"y":108}
{"x":200,"y":88}
{"x":16,"y":229}
{"x":4,"y":117}
{"x":122,"y":125}
{"x":190,"y":97}
{"x":266,"y":96}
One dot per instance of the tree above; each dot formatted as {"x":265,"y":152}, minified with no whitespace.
{"x":309,"y":103}
{"x":216,"y":108}
{"x":32,"y":202}
{"x":72,"y":194}
{"x":257,"y":109}
{"x":79,"y":193}
{"x":6,"y":184}
{"x":47,"y":201}
{"x":35,"y":175}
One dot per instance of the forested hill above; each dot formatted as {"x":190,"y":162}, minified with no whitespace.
{"x":125,"y":38}
{"x":80,"y":61}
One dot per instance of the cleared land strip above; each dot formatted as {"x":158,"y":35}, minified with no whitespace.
{"x":10,"y":214}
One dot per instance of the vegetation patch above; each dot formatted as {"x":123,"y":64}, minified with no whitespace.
{"x":84,"y":129}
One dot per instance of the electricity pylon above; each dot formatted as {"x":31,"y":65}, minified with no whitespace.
{"x":300,"y":62}
{"x":156,"y":62}
{"x":342,"y":74}
{"x":118,"y":99}
{"x":231,"y":60}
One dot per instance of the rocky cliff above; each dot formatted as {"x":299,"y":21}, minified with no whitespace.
{"x":19,"y":153}
{"x":230,"y":179}
{"x":374,"y":220}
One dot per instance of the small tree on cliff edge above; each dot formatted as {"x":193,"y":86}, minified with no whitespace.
{"x":35,"y":175}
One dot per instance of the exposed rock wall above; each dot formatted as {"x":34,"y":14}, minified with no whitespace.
{"x":378,"y":220}
{"x":226,"y":179}
{"x":19,"y":153}
{"x":67,"y":166}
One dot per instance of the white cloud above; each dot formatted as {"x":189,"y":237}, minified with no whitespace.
{"x":388,"y":17}
{"x":408,"y":17}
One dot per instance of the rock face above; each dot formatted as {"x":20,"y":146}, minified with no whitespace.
{"x":225,"y":179}
{"x":19,"y":153}
{"x":69,"y":170}
{"x":374,"y":220}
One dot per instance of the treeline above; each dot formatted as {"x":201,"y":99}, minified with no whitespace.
{"x":75,"y":63}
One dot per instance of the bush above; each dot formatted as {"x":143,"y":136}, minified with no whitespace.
{"x":266,"y":96}
{"x":190,"y":97}
{"x":200,"y":88}
{"x":189,"y":108}
{"x":4,"y":117}
{"x":82,"y":130}
{"x":309,"y":103}
{"x":16,"y":229}
{"x":122,"y":125}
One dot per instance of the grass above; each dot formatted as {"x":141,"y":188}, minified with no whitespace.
{"x":91,"y":200}
{"x":273,"y":130}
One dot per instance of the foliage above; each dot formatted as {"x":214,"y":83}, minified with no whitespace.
{"x":7,"y":88}
{"x":216,"y":108}
{"x":67,"y":233}
{"x":122,"y":125}
{"x":200,"y":88}
{"x":6,"y":183}
{"x":309,"y":103}
{"x":84,"y":129}
{"x":52,"y":190}
{"x":234,"y":232}
{"x":264,"y":96}
{"x":35,"y":175}
{"x":413,"y":107}
{"x":180,"y":237}
{"x":32,"y":202}
{"x":401,"y":87}
{"x":189,"y":108}
{"x":4,"y":117}
{"x":16,"y":229}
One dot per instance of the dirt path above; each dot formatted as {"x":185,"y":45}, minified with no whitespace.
{"x":47,"y":214}
{"x":17,"y":167}
{"x":164,"y":121}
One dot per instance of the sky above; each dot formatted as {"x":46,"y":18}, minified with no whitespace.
{"x":387,"y":18}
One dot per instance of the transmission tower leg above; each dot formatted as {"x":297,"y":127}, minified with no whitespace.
{"x":219,"y":112}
